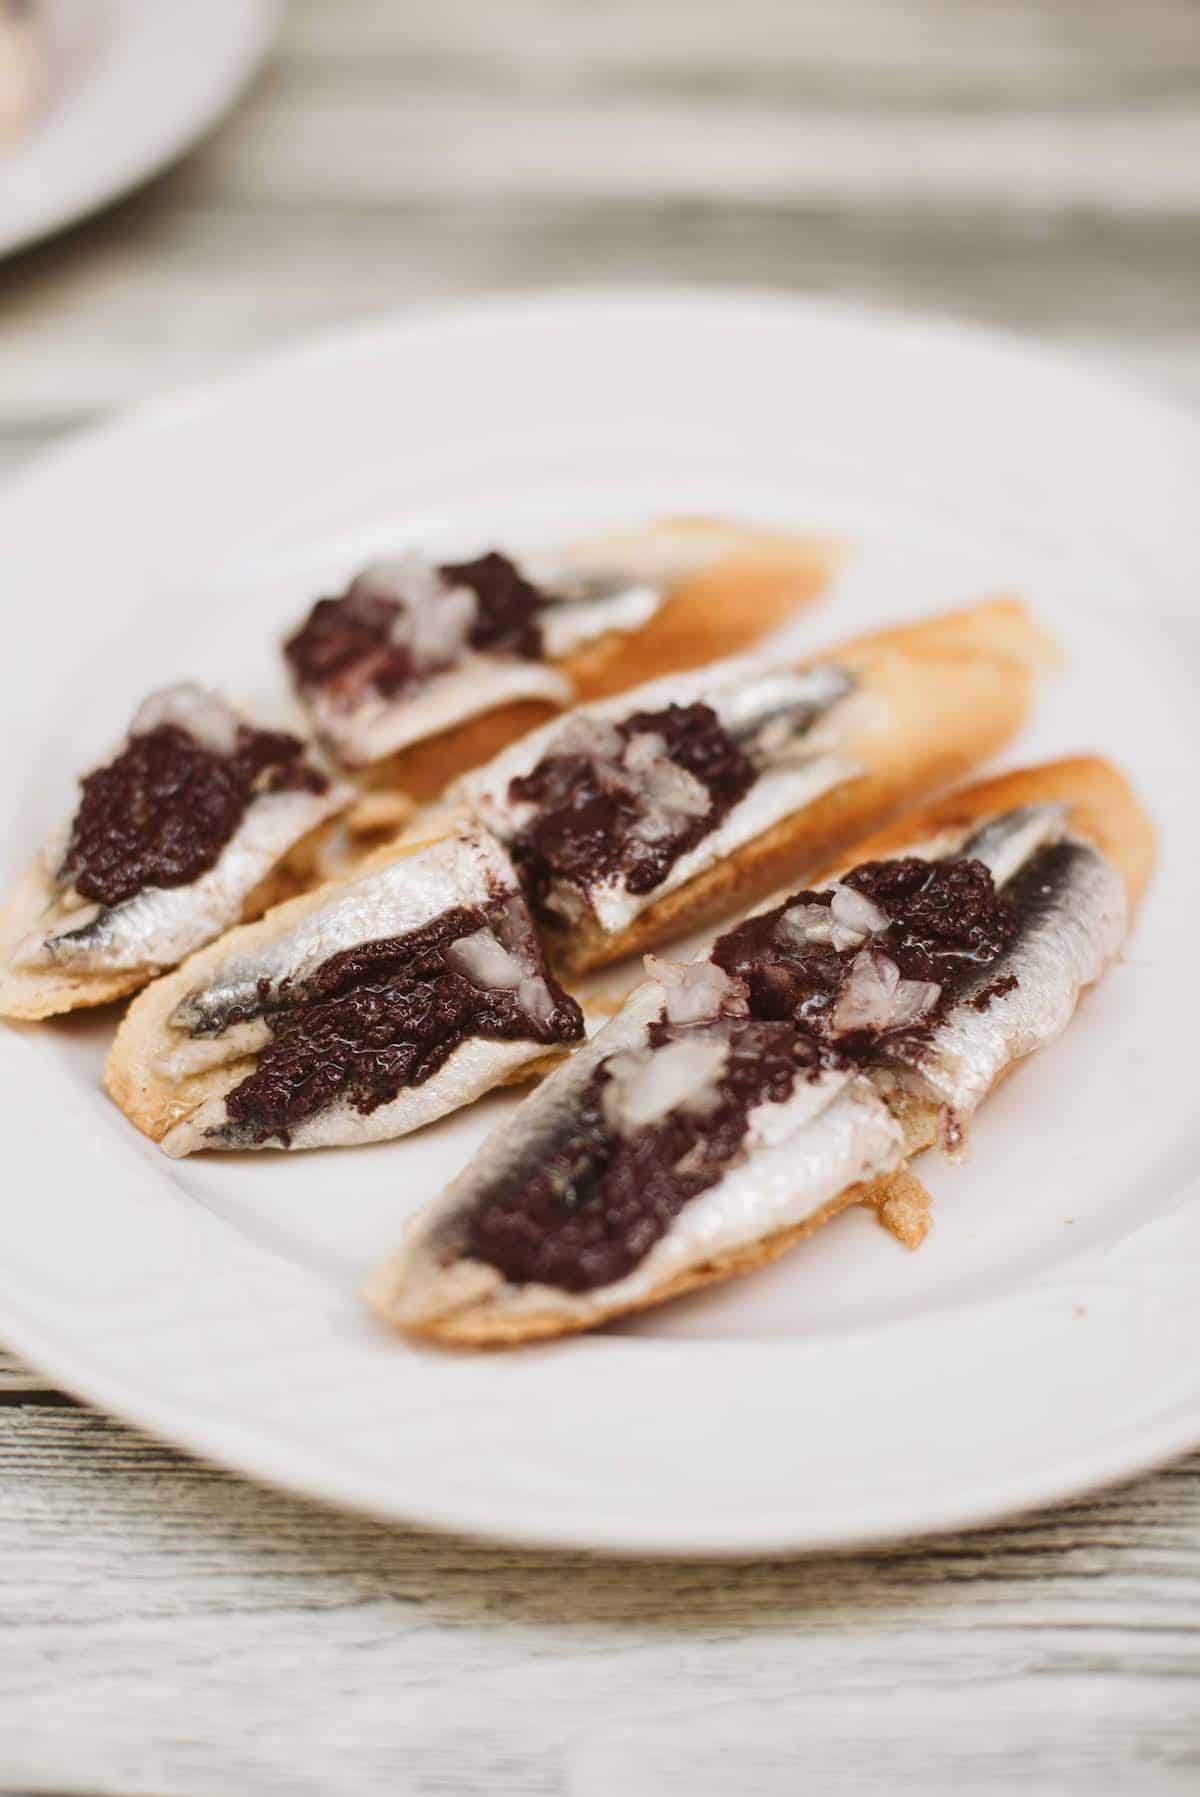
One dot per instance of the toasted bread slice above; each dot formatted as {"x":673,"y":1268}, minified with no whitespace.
{"x":32,"y":994}
{"x":930,"y":702}
{"x":943,"y":696}
{"x":730,"y":586}
{"x":1100,"y":810}
{"x":156,"y":1096}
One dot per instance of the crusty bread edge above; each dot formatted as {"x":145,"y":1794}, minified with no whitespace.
{"x":477,"y":1328}
{"x":995,"y":646}
{"x":153,"y":1103}
{"x":742,"y":596}
{"x":33,"y":994}
{"x":1103,"y":808}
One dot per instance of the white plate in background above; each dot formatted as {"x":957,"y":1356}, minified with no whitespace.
{"x":1046,"y":1337}
{"x":128,"y":85}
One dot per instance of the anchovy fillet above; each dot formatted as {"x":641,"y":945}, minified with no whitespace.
{"x":787,"y":722}
{"x":797,"y":1157}
{"x":162,"y":924}
{"x":834,"y":1131}
{"x":218,"y":1026}
{"x":1005,"y":843}
{"x":468,"y":869}
{"x":592,"y":606}
{"x":581,"y":607}
{"x":1072,"y":918}
{"x":781,"y":709}
{"x":475,"y":1068}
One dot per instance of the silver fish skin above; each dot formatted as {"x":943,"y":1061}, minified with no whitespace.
{"x":469,"y":868}
{"x":585,"y":607}
{"x":231,"y":1010}
{"x":548,"y":1115}
{"x":476,"y":1067}
{"x":581,"y":607}
{"x":1072,"y":915}
{"x":161,"y":925}
{"x":798,"y":1155}
{"x":771,"y":718}
{"x":1006,"y":842}
{"x":789,"y":722}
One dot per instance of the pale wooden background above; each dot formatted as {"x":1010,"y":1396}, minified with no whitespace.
{"x":170,"y":1630}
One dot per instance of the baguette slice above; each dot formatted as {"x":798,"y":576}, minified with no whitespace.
{"x":927,"y":703}
{"x":727,"y":587}
{"x":193,"y":1037}
{"x":1070,"y":846}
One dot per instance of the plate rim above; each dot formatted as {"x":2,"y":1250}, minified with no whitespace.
{"x":285,"y":1462}
{"x":238,"y":36}
{"x":495,"y":307}
{"x":286,"y":1467}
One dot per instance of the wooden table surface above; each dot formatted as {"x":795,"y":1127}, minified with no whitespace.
{"x":170,"y":1629}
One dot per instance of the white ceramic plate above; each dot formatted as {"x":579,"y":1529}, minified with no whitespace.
{"x":1045,"y":1338}
{"x":128,"y":85}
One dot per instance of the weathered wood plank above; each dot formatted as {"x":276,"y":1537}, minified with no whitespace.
{"x":1032,"y":166}
{"x":289,"y":1645}
{"x":131,"y":306}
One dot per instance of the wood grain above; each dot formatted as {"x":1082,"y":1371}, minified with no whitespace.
{"x":1031,"y":165}
{"x":168,"y":1629}
{"x":194,"y":1628}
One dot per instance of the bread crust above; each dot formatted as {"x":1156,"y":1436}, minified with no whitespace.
{"x":152,"y":1102}
{"x":32,"y":994}
{"x":476,"y":1328}
{"x":1102,"y":808}
{"x":936,"y":698}
{"x":744,"y":584}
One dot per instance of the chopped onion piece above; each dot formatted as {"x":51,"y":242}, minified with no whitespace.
{"x":205,"y":715}
{"x":408,"y":580}
{"x":697,"y":991}
{"x":536,"y":999}
{"x":485,"y":961}
{"x":876,"y":998}
{"x":853,"y":918}
{"x":804,"y":924}
{"x":854,"y":911}
{"x":913,"y":999}
{"x":670,"y":789}
{"x":643,"y":750}
{"x":587,"y":736}
{"x":437,"y":633}
{"x":646,"y":1085}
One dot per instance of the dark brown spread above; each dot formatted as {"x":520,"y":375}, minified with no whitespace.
{"x":590,"y":824}
{"x":506,"y":621}
{"x":592,"y":1209}
{"x":946,"y":921}
{"x":385,"y":1015}
{"x":994,"y":989}
{"x":347,"y":645}
{"x":597,"y":1206}
{"x":160,"y":814}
